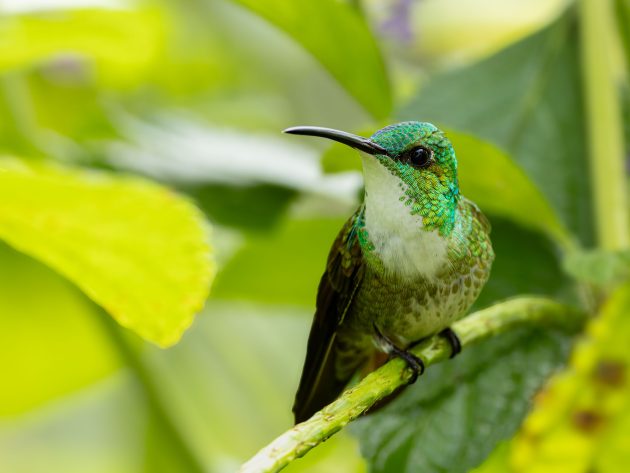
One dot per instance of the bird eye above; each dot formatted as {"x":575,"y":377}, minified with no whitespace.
{"x":419,"y":157}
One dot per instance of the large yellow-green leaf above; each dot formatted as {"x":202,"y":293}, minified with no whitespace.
{"x":340,"y":39}
{"x":581,"y":422}
{"x":135,"y":248}
{"x":489,"y":177}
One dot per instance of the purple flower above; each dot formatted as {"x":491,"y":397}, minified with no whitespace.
{"x":397,"y":25}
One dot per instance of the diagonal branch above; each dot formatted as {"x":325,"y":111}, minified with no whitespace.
{"x":296,"y":442}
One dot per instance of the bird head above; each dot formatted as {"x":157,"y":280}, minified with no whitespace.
{"x":420,"y":159}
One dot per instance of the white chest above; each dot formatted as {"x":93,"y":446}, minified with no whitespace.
{"x":398,"y":238}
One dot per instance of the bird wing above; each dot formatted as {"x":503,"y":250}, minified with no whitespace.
{"x":319,"y":384}
{"x":479,"y":216}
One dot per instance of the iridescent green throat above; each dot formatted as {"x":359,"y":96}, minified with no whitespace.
{"x":431,"y":192}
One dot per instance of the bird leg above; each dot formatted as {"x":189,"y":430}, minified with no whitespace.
{"x":415,"y":363}
{"x":453,"y":340}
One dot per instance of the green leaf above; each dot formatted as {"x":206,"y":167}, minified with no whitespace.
{"x":527,"y":100}
{"x":458,"y":411}
{"x":525,"y":263}
{"x":324,"y":28}
{"x":45,"y":323}
{"x":133,"y":247}
{"x":257,"y":208}
{"x":500,"y":187}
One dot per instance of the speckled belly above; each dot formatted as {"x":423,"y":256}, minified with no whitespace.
{"x":406,"y":311}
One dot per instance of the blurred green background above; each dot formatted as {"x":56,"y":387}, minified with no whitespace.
{"x":138,"y":97}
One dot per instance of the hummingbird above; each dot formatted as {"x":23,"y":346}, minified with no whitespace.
{"x":410,"y":261}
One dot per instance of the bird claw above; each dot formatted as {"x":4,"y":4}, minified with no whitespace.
{"x":414,"y":362}
{"x":453,"y":340}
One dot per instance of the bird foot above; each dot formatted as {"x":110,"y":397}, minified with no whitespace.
{"x":414,"y":362}
{"x":453,"y":340}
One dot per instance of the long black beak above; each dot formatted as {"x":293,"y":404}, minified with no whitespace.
{"x":357,"y":142}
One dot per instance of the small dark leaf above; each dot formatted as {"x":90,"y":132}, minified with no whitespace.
{"x":257,"y":207}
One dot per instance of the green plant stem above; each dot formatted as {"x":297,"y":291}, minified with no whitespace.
{"x":623,"y":23}
{"x":605,"y":130}
{"x":486,"y":323}
{"x":157,"y":408}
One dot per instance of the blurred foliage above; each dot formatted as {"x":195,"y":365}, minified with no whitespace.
{"x":513,"y":246}
{"x":193,"y":94}
{"x":291,"y":269}
{"x":447,"y":32}
{"x":44,"y":314}
{"x":121,"y":45}
{"x":257,"y":207}
{"x":349,"y":61}
{"x":599,"y":267}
